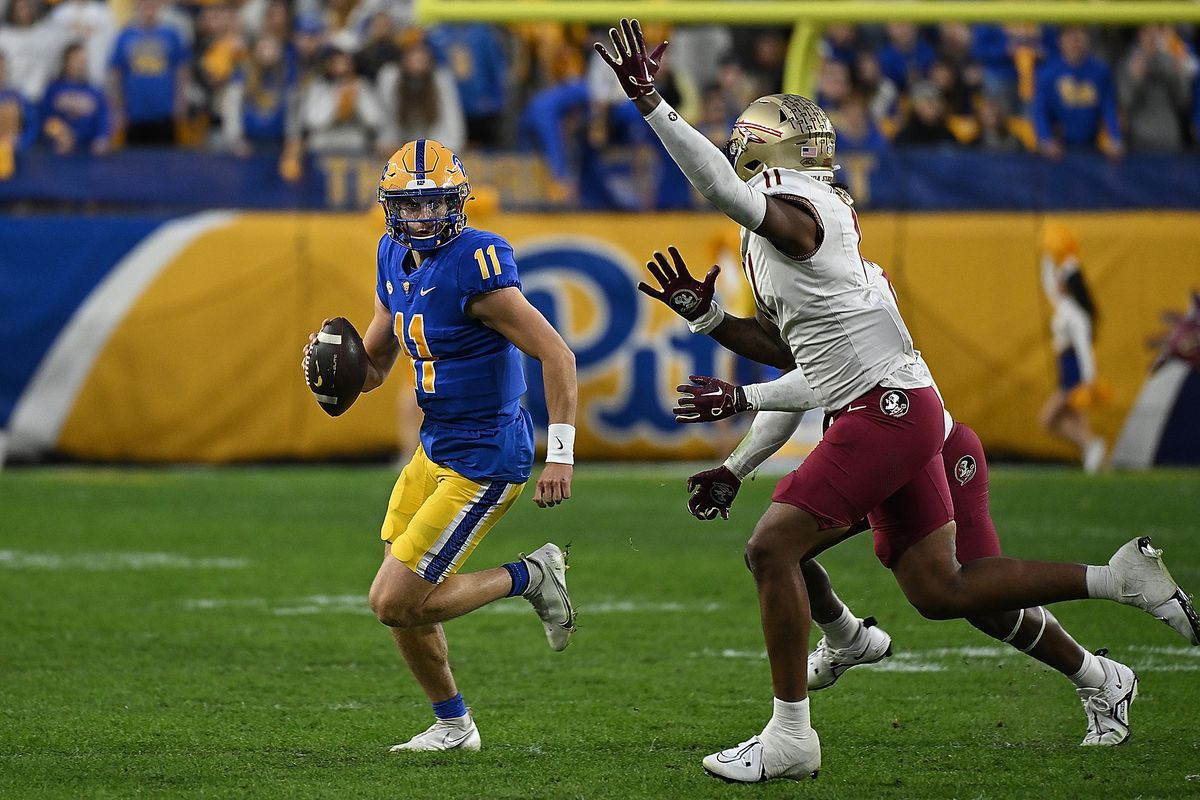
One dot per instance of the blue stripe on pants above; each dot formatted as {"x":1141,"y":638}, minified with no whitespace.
{"x":462,"y":534}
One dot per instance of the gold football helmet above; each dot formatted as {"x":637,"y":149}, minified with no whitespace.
{"x":782,"y":130}
{"x":423,"y":190}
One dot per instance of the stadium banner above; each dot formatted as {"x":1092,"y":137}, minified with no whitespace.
{"x":905,"y":180}
{"x":179,"y":340}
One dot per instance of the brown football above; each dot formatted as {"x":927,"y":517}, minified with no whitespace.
{"x":337,"y":367}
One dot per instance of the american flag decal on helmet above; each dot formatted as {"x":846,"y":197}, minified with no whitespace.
{"x":809,"y":151}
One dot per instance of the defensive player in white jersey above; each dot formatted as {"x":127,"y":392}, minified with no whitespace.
{"x":1106,"y":687}
{"x":881,"y":458}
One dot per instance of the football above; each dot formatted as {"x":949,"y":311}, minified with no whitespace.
{"x":336,"y":366}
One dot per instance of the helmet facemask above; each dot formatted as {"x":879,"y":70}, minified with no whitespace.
{"x":424,"y":219}
{"x":423,"y":191}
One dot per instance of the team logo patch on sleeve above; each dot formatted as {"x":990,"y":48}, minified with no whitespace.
{"x":894,"y":403}
{"x":964,"y":470}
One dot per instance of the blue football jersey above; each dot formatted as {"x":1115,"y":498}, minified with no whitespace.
{"x":469,"y":378}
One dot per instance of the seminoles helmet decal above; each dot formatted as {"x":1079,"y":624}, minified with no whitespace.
{"x":428,"y":171}
{"x":782,"y":130}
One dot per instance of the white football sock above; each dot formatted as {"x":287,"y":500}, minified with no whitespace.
{"x":1102,"y":584}
{"x":1090,"y":675}
{"x":843,"y":631}
{"x":790,"y":720}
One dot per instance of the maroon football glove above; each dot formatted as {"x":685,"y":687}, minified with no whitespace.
{"x":713,"y":492}
{"x":708,"y":399}
{"x":686,"y":296}
{"x":635,"y":68}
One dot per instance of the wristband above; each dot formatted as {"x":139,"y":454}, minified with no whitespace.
{"x":708,"y":320}
{"x":560,"y":443}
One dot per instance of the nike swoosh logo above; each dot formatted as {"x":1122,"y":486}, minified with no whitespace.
{"x":717,"y":393}
{"x":736,"y":756}
{"x":320,"y":380}
{"x":450,"y":745}
{"x":560,"y":444}
{"x":427,"y":291}
{"x":855,"y":408}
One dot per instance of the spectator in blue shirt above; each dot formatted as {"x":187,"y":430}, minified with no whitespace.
{"x":261,"y":104}
{"x":840,"y":43}
{"x":149,"y":76}
{"x":1074,"y":100}
{"x":74,"y":112}
{"x":906,"y":57}
{"x":1008,"y":54}
{"x":552,"y":119}
{"x":475,"y":54}
{"x":856,"y":130}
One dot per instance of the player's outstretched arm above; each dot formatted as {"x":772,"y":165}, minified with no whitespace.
{"x":381,"y":346}
{"x":789,"y":226}
{"x":507,"y":312}
{"x":708,"y":399}
{"x":695,"y":301}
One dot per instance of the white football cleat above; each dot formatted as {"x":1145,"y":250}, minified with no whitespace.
{"x":1144,"y":582}
{"x":754,"y":760}
{"x":1107,"y":708}
{"x":460,"y":733}
{"x":548,"y":595}
{"x":826,"y":664}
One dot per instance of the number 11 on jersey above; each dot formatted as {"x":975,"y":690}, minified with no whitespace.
{"x":425,"y":373}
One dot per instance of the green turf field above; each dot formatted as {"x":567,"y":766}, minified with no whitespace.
{"x":204,"y":633}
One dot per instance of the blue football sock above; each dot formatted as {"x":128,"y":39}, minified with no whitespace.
{"x":449,"y":709}
{"x":519,"y":571}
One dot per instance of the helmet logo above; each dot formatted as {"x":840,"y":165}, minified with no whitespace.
{"x":750,"y":130}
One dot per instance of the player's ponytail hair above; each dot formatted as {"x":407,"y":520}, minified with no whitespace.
{"x":1077,"y":288}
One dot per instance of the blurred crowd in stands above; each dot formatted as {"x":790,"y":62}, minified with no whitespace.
{"x":359,"y":76}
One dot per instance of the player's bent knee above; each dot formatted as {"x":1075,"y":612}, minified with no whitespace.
{"x":394,"y":610}
{"x":933,"y":601}
{"x":767,"y":549}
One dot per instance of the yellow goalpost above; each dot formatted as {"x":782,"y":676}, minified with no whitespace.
{"x":807,"y":16}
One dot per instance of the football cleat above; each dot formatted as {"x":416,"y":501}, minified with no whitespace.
{"x":548,"y":595}
{"x":754,"y":760}
{"x":460,"y":733}
{"x":826,"y":664}
{"x":1144,"y":582}
{"x":1107,"y":708}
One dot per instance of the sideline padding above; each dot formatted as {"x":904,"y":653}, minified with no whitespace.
{"x":205,"y":364}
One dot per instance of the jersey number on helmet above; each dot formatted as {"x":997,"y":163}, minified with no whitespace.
{"x":424,"y":372}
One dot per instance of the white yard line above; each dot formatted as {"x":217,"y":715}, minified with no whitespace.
{"x":112,"y":562}
{"x":943,"y":659}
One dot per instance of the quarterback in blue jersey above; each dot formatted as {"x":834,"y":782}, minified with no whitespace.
{"x":449,"y":298}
